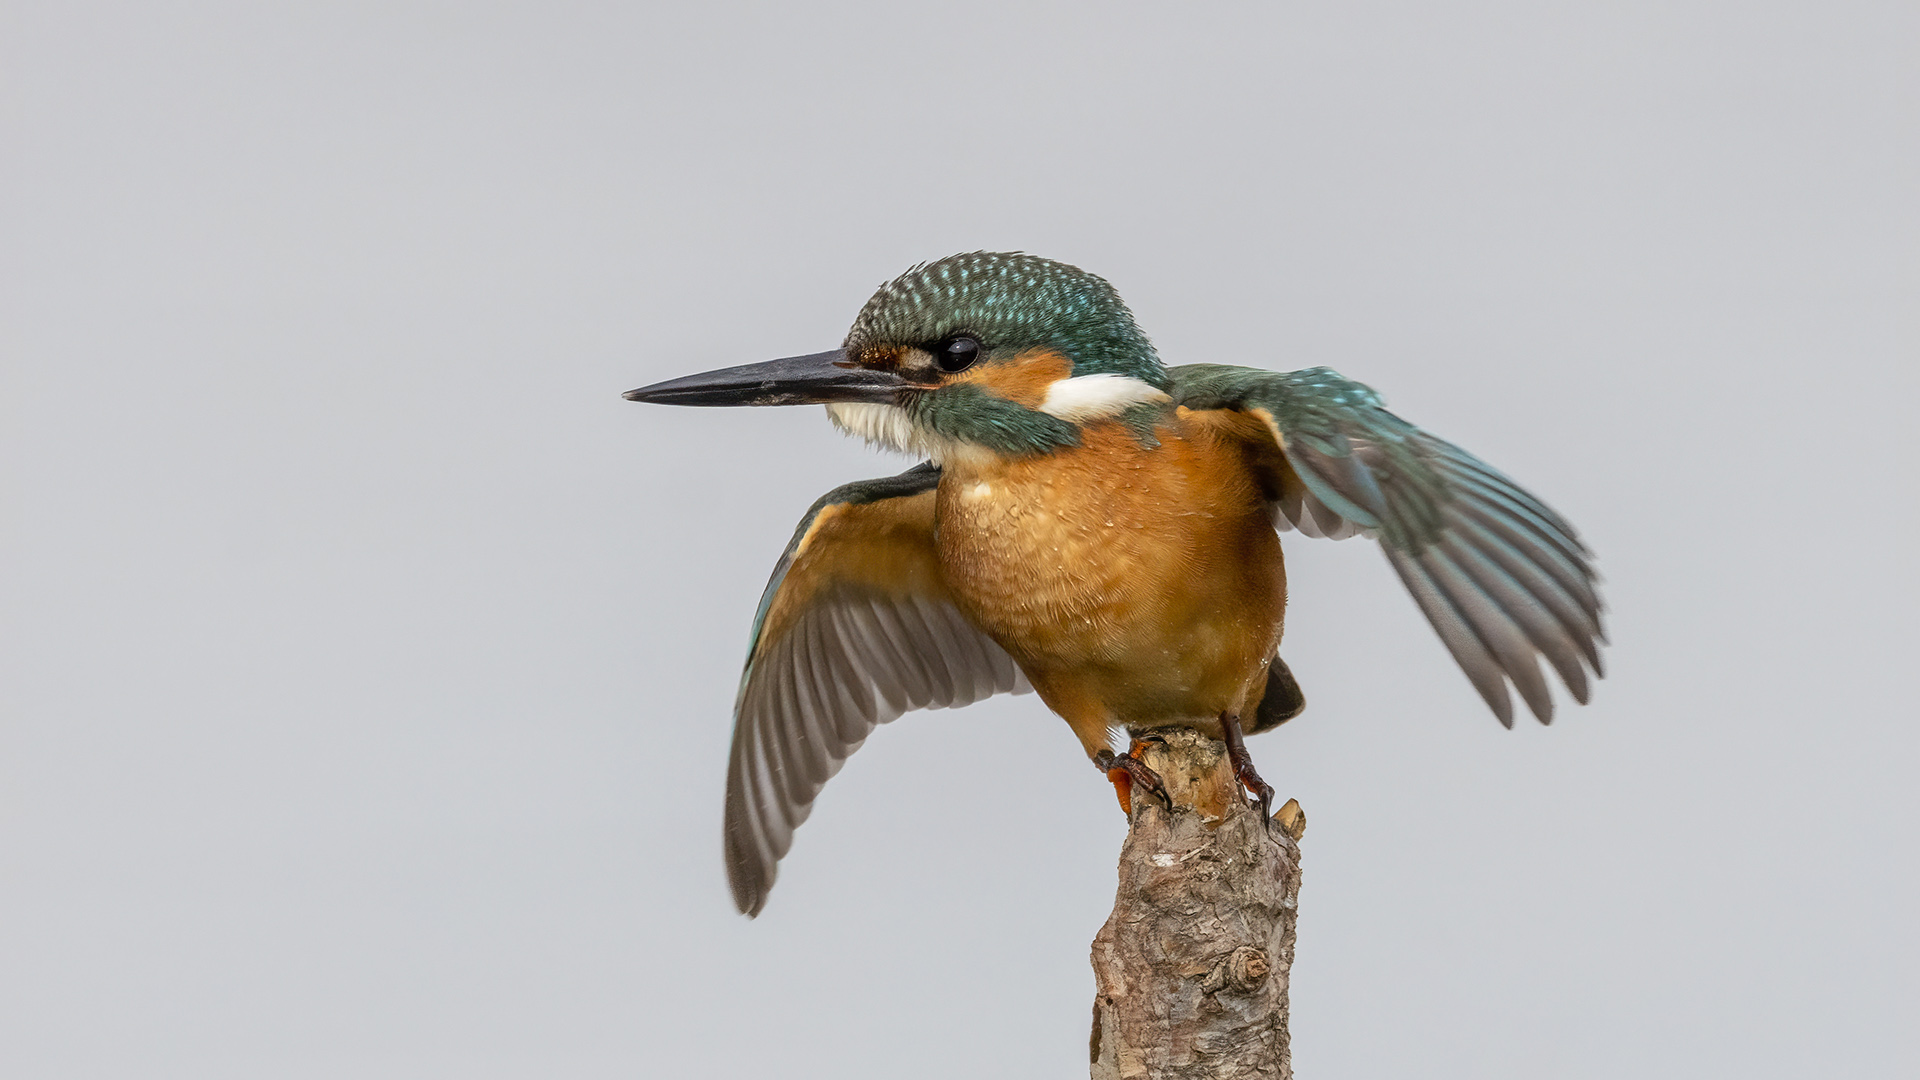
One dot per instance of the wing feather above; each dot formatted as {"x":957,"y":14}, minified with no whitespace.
{"x":1502,"y":500}
{"x":903,"y":681}
{"x":1503,"y":578}
{"x":1496,"y":629}
{"x":856,"y":627}
{"x":1457,"y":635}
{"x":929,"y":647}
{"x":1535,"y":618}
{"x":813,"y":750}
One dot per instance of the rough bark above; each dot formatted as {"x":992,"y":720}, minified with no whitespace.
{"x":1191,"y":968}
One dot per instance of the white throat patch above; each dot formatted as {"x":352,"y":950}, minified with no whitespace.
{"x":892,"y":427}
{"x":1098,"y":397}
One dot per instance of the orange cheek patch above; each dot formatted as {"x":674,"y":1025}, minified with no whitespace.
{"x":1022,"y":379}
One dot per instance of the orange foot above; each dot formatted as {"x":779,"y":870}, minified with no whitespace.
{"x":1125,"y":771}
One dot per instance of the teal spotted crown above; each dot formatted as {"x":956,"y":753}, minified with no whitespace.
{"x":1011,"y":301}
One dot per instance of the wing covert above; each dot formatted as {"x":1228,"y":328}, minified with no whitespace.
{"x":855,"y":628}
{"x":1502,"y":578}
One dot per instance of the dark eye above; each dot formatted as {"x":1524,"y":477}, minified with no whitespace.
{"x":956,"y":353}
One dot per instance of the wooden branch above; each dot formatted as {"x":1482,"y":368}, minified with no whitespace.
{"x":1191,"y":968}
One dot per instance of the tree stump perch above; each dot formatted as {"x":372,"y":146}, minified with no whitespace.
{"x":1191,"y":968}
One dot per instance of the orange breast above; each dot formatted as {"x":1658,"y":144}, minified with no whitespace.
{"x":1142,"y":583}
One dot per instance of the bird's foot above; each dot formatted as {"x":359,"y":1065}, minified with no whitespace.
{"x":1127,"y":772}
{"x":1243,"y":769}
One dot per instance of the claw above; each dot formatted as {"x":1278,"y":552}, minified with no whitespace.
{"x":1125,"y":771}
{"x":1243,"y":769}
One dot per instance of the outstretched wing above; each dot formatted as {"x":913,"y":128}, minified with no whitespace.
{"x":855,"y":628}
{"x":1504,"y":579}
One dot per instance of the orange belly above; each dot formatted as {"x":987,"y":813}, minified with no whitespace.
{"x":1136,"y":586}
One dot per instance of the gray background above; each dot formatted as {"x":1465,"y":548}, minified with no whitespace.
{"x":368,"y":661}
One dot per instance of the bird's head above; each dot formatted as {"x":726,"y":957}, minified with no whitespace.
{"x":1001,"y":353}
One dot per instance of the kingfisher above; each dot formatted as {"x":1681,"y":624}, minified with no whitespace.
{"x":1101,"y":529}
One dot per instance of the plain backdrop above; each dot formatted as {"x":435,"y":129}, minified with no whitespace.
{"x":368,"y":661}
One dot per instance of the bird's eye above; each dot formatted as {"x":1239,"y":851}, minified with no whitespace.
{"x":957,"y":353}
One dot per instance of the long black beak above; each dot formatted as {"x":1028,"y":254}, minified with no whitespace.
{"x":796,"y":380}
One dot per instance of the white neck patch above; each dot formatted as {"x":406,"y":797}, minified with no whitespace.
{"x":1098,"y":397}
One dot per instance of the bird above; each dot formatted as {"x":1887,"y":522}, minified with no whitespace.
{"x":1101,"y":529}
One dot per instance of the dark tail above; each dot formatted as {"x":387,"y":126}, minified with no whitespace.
{"x":1282,"y":701}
